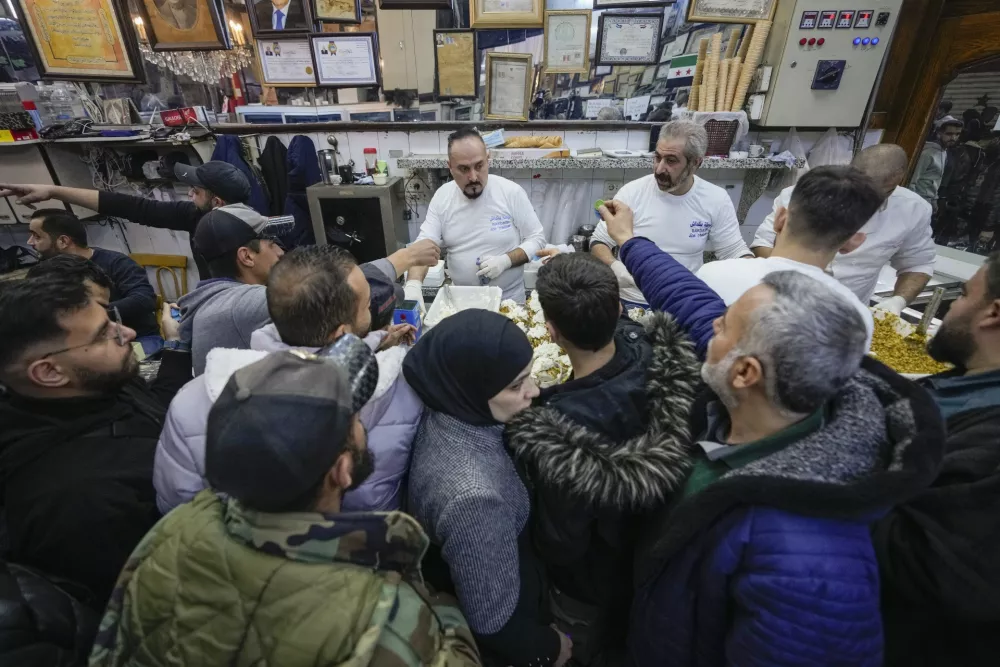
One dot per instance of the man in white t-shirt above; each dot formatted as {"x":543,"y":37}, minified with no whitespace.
{"x":898,"y":234}
{"x":827,"y":208}
{"x":485,"y":223}
{"x":675,"y":209}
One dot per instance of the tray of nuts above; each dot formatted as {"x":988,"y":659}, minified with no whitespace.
{"x":897,"y":345}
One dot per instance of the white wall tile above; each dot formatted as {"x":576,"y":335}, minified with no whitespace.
{"x":393,"y":141}
{"x":577,"y":139}
{"x":617,"y":140}
{"x":634,"y":174}
{"x":638,"y":140}
{"x":577,"y":174}
{"x":425,"y":143}
{"x":359,"y":142}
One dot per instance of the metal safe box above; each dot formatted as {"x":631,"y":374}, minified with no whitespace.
{"x":366,"y":220}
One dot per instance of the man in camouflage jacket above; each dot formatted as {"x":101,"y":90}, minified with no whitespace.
{"x":272,"y":573}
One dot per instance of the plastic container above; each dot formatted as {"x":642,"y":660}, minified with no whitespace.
{"x":452,"y":298}
{"x":371,"y":159}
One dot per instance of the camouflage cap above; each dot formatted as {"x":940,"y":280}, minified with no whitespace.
{"x":280,"y":423}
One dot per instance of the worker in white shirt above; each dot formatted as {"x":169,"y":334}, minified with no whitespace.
{"x":827,"y":209}
{"x":675,"y":209}
{"x":898,"y":234}
{"x":486,"y":224}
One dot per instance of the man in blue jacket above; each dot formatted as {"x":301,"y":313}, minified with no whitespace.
{"x":765,"y":556}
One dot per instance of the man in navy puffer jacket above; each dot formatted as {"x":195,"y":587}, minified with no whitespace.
{"x":765,"y":556}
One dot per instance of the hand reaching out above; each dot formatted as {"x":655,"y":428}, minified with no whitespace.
{"x":618,"y":217}
{"x":26,"y":194}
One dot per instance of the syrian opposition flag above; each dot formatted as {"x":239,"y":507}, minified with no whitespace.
{"x":681,"y":70}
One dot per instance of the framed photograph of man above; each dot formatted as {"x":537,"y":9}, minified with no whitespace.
{"x":338,"y":11}
{"x":68,"y":44}
{"x":183,"y":25}
{"x":277,"y":17}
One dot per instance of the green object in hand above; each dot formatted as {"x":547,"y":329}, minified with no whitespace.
{"x":598,"y":204}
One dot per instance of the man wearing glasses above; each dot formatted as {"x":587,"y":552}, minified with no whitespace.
{"x":78,"y":431}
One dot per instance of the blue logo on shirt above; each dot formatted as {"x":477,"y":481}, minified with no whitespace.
{"x":700,"y":229}
{"x":501,"y":222}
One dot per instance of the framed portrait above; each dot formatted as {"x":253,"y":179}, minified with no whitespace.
{"x":414,"y":4}
{"x":346,"y":59}
{"x":731,"y":11}
{"x":340,"y":11}
{"x":274,"y":17}
{"x":567,"y":41}
{"x":628,"y":39}
{"x":648,"y":75}
{"x":609,"y":87}
{"x":286,"y":62}
{"x":455,"y":64}
{"x":183,"y":25}
{"x":674,"y":47}
{"x":86,"y":40}
{"x":506,"y":13}
{"x":696,"y":35}
{"x":663,"y":71}
{"x":602,"y":70}
{"x":508,"y":85}
{"x":606,"y":4}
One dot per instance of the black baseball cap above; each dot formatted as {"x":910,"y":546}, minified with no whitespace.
{"x":280,"y":423}
{"x":227,"y":228}
{"x":224,"y":180}
{"x":386,"y":295}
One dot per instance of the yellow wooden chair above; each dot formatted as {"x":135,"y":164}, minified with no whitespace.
{"x":171,"y":265}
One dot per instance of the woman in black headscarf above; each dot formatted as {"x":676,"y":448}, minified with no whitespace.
{"x":472,"y":373}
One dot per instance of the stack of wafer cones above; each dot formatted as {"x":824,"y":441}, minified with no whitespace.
{"x":722,"y":80}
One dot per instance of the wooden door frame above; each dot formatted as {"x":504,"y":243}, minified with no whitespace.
{"x":958,"y":42}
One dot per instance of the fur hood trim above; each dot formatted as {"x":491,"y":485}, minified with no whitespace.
{"x":632,"y":475}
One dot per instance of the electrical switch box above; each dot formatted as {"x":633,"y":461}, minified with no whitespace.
{"x":826,"y":56}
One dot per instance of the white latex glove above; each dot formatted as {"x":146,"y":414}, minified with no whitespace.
{"x":894,"y":305}
{"x":492,"y":267}
{"x":624,"y":277}
{"x":413,"y":290}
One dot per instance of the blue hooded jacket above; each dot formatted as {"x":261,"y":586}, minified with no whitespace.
{"x":303,"y":171}
{"x":227,"y":149}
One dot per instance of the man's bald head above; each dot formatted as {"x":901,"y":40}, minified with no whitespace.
{"x":883,"y":163}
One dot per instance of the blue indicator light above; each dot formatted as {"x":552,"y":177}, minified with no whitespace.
{"x":865,"y":41}
{"x":857,"y":40}
{"x":874,"y":41}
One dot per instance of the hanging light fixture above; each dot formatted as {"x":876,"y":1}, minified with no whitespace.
{"x":202,"y":66}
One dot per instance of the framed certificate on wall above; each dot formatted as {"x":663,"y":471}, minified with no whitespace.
{"x":567,"y":41}
{"x":628,"y":39}
{"x":286,"y":62}
{"x":83,"y":40}
{"x":506,"y":13}
{"x":730,"y":11}
{"x":346,"y":59}
{"x":508,"y":85}
{"x":184,"y":25}
{"x":456,"y":71}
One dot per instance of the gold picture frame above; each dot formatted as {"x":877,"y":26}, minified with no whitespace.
{"x":517,"y":64}
{"x":506,"y":13}
{"x":564,"y":15}
{"x":731,"y":11}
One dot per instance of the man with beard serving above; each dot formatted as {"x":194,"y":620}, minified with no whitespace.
{"x":486,"y":224}
{"x":675,"y":209}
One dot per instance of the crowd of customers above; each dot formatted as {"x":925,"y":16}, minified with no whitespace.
{"x":734,"y":481}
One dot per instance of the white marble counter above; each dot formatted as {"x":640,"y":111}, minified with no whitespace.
{"x":441,"y":162}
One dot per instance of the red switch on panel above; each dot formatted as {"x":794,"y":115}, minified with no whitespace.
{"x":802,"y":42}
{"x":812,"y":40}
{"x":821,"y":41}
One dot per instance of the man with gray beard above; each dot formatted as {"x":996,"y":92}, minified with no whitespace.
{"x":802,"y":442}
{"x":78,"y":431}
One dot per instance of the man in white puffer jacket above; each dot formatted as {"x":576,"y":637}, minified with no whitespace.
{"x":315,"y":295}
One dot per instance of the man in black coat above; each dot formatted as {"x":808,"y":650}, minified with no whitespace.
{"x":78,"y":431}
{"x":603,"y":448}
{"x":939,"y":553}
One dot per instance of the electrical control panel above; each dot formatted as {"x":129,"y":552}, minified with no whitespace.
{"x":825,"y":56}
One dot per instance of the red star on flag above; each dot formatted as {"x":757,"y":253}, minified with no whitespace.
{"x":677,"y":73}
{"x":689,"y":70}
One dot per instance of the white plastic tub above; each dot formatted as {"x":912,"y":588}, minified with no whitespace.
{"x":452,"y":298}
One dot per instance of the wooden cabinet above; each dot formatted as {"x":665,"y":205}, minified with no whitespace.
{"x":406,"y":46}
